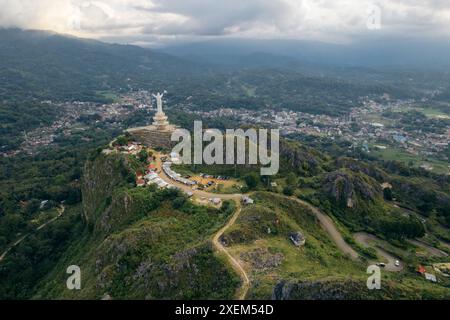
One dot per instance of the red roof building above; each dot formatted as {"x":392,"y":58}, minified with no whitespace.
{"x":421,"y":269}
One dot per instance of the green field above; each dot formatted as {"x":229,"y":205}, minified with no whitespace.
{"x":431,"y":112}
{"x":109,"y":95}
{"x":395,"y":154}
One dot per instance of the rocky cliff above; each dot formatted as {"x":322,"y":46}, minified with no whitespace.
{"x":139,"y":246}
{"x":348,"y":188}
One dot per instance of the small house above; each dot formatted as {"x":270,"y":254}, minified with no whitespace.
{"x":151,"y":176}
{"x":43,"y":204}
{"x":297,"y":238}
{"x":216,"y":201}
{"x":421,"y":270}
{"x":247,"y":200}
{"x":430,"y":277}
{"x":189,"y":194}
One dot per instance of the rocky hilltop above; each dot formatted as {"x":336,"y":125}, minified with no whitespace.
{"x":139,"y":246}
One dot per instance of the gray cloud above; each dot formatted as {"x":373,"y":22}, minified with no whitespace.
{"x":156,"y":21}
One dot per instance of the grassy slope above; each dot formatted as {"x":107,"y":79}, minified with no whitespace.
{"x":318,"y":260}
{"x":173,"y":246}
{"x":141,"y":243}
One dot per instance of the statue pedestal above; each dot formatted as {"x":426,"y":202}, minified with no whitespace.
{"x":160,"y":121}
{"x":154,"y":136}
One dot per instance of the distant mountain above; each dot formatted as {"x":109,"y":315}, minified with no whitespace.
{"x":42,"y":64}
{"x":308,"y":76}
{"x":372,"y":52}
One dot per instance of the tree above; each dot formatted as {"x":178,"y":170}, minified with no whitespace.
{"x":288,"y":191}
{"x":143,"y":155}
{"x":251,"y":180}
{"x":121,"y":141}
{"x":291,"y":179}
{"x":179,"y":202}
{"x":388,"y":194}
{"x":32,"y":207}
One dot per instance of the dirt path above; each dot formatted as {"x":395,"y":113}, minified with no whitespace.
{"x":324,"y":220}
{"x":242,"y":292}
{"x":369,"y":240}
{"x":15,"y":244}
{"x":331,"y":229}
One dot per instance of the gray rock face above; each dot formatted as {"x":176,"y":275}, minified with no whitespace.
{"x":299,"y":156}
{"x":100,"y":178}
{"x":359,"y":166}
{"x":323,"y":290}
{"x":346,"y":187}
{"x":261,"y":259}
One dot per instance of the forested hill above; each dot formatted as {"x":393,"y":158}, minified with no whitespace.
{"x":39,"y":64}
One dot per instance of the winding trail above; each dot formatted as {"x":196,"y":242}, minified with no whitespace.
{"x":324,"y":220}
{"x":15,"y":244}
{"x":331,"y":229}
{"x":198,"y":194}
{"x":370,"y":241}
{"x":432,"y":251}
{"x":242,"y":292}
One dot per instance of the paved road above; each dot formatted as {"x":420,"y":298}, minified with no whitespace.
{"x":435,"y":252}
{"x":369,"y":240}
{"x":444,"y":244}
{"x":15,"y":244}
{"x":325,"y":221}
{"x":198,"y":194}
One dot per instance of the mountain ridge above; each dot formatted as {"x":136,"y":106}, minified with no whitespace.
{"x":48,"y":65}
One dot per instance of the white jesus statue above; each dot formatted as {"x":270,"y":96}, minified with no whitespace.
{"x":160,"y":119}
{"x":159,"y":102}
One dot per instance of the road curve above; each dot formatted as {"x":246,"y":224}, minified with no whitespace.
{"x":368,"y":240}
{"x":432,"y":251}
{"x":331,"y":229}
{"x":324,"y":220}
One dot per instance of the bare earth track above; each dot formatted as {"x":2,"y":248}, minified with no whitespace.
{"x":242,"y":292}
{"x":331,"y":229}
{"x":324,"y":220}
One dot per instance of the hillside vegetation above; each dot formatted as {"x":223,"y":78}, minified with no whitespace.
{"x":318,"y":270}
{"x":136,"y":245}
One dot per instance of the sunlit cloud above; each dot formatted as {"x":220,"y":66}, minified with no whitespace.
{"x":155,"y":21}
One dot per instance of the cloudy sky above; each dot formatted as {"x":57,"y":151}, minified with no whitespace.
{"x":155,"y":22}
